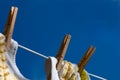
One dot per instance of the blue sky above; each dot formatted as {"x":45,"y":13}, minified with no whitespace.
{"x":42,"y":24}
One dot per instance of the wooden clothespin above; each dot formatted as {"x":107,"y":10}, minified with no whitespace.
{"x":61,"y":53}
{"x":86,"y":58}
{"x":8,"y":31}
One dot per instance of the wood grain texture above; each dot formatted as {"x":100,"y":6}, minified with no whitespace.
{"x":8,"y":31}
{"x":85,"y":58}
{"x":62,"y":51}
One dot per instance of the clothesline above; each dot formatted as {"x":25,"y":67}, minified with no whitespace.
{"x":43,"y":56}
{"x":93,"y":75}
{"x":37,"y":53}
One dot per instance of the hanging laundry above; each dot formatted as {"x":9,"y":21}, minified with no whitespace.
{"x":68,"y":71}
{"x":50,"y":68}
{"x":8,"y":68}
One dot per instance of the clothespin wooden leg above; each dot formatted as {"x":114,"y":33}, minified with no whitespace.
{"x":8,"y":31}
{"x":61,"y":53}
{"x":86,"y":58}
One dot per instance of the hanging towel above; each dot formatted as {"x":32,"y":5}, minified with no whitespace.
{"x":9,"y":69}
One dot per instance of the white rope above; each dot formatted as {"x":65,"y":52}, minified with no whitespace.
{"x":32,"y":51}
{"x":101,"y":78}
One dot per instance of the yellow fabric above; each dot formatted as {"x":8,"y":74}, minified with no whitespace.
{"x":5,"y":73}
{"x":84,"y":75}
{"x":68,"y":72}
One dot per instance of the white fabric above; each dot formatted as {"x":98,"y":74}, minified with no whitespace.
{"x":76,"y":72}
{"x":11,"y":60}
{"x":54,"y":72}
{"x":50,"y":68}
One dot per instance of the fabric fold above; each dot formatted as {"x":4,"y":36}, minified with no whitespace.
{"x":8,"y":67}
{"x":11,"y":60}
